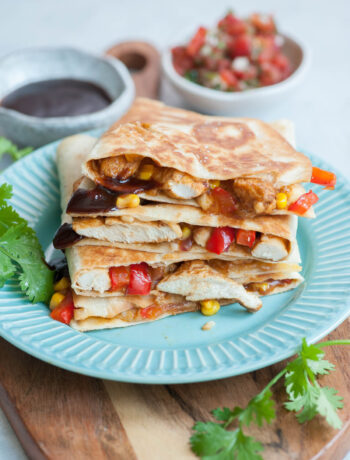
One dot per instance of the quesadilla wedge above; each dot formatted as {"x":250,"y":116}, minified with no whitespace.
{"x":233,"y":166}
{"x":264,"y":237}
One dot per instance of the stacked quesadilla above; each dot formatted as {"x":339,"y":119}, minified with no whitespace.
{"x":171,"y":211}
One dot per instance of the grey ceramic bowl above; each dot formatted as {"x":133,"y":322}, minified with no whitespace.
{"x":32,"y":65}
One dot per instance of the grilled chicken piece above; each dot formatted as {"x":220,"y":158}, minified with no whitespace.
{"x":255,"y":194}
{"x":270,"y":248}
{"x":201,"y":235}
{"x":179,"y":185}
{"x":197,"y":281}
{"x":113,"y":229}
{"x":119,"y":167}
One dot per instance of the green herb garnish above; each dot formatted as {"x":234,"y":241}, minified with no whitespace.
{"x":214,"y":441}
{"x":9,"y":148}
{"x":21,"y":253}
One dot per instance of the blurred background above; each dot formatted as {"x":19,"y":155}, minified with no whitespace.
{"x":320,"y":106}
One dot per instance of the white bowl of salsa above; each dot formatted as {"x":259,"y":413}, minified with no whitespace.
{"x":235,"y":68}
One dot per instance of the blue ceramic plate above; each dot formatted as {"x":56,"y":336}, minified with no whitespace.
{"x":175,"y":349}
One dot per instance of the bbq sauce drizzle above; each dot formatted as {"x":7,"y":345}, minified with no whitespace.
{"x":66,"y":237}
{"x":102,"y":199}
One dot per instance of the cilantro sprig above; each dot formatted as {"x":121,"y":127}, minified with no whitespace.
{"x":9,"y":148}
{"x":21,"y":253}
{"x":214,"y":441}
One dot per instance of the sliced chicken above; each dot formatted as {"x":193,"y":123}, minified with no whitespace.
{"x":255,"y":194}
{"x":270,"y":248}
{"x":119,"y":167}
{"x":197,"y":281}
{"x":117,"y":231}
{"x":201,"y":235}
{"x":179,"y":185}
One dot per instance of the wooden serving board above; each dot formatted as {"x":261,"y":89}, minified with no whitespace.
{"x":57,"y":414}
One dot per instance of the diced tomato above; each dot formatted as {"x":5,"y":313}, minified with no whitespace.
{"x":240,"y":46}
{"x":224,"y":64}
{"x":186,"y":245}
{"x":220,"y":239}
{"x":140,"y":279}
{"x":270,"y":74}
{"x":232,"y":25}
{"x":120,"y":277}
{"x":303,"y":203}
{"x":322,"y":177}
{"x":246,"y":237}
{"x":268,"y":48}
{"x":197,"y":42}
{"x":151,"y":312}
{"x":248,"y":74}
{"x":281,"y":61}
{"x":181,"y":60}
{"x":65,"y":310}
{"x":229,"y":77}
{"x":263,"y":24}
{"x":224,"y":201}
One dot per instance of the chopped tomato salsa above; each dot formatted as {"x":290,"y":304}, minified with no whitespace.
{"x":235,"y":55}
{"x":65,"y":310}
{"x":303,"y":203}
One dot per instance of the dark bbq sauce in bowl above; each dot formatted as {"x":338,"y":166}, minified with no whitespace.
{"x":57,"y":98}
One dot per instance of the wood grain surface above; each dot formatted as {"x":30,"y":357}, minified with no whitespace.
{"x":61,"y":415}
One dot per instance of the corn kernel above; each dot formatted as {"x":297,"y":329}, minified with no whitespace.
{"x":209,"y":307}
{"x":62,"y":284}
{"x":128,"y":201}
{"x":145,"y":172}
{"x":281,"y":200}
{"x":56,"y":299}
{"x":131,"y":157}
{"x":263,"y":286}
{"x":186,"y":232}
{"x":214,"y":184}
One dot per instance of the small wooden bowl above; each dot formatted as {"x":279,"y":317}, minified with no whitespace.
{"x":143,"y":62}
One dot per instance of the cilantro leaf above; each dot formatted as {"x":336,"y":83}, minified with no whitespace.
{"x":327,"y":404}
{"x":7,"y":269}
{"x":20,"y":249}
{"x":260,"y":408}
{"x":213,"y":442}
{"x":306,"y":403}
{"x":225,"y":414}
{"x":8,"y":147}
{"x":5,"y":193}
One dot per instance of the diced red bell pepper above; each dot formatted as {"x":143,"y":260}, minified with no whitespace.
{"x":151,"y":312}
{"x":120,"y":277}
{"x":224,"y":201}
{"x":140,"y":279}
{"x":322,"y":177}
{"x":65,"y":310}
{"x":263,"y":24}
{"x":240,"y":46}
{"x":229,"y":77}
{"x":246,"y":237}
{"x":220,"y":239}
{"x":197,"y":42}
{"x":303,"y":203}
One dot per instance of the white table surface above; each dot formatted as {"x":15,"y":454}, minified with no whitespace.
{"x":320,"y":107}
